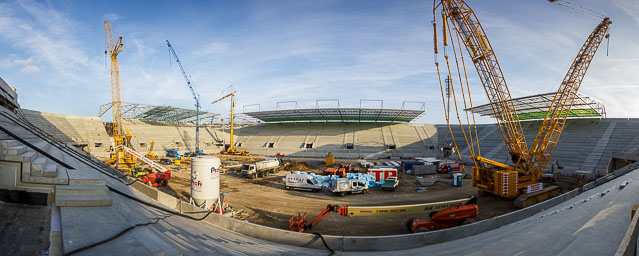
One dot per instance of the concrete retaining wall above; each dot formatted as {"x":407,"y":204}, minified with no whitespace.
{"x":355,"y":243}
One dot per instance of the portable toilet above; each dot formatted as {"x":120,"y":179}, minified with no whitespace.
{"x":457,"y":179}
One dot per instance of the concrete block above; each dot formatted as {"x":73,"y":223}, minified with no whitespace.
{"x":37,"y":166}
{"x":29,"y":156}
{"x":6,"y":144}
{"x":83,"y":201}
{"x":511,"y":217}
{"x":85,"y":178}
{"x":589,"y":186}
{"x":16,"y":150}
{"x":50,"y":170}
{"x":81,"y":190}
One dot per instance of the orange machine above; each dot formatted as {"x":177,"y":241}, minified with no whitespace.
{"x":450,"y":217}
{"x":442,"y":214}
{"x":157,"y":179}
{"x":340,"y":171}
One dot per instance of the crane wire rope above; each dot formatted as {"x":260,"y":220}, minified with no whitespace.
{"x":471,"y":128}
{"x":577,"y":8}
{"x":474,"y":127}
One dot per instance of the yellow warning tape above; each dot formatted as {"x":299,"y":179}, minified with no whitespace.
{"x":404,"y":209}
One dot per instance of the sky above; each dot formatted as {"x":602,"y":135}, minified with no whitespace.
{"x":273,"y":51}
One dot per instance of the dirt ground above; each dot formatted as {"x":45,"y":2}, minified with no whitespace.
{"x":265,"y":201}
{"x":24,"y":229}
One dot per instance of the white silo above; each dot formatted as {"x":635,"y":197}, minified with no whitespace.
{"x":205,"y":180}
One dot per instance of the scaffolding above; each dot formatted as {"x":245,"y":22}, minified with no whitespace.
{"x":338,"y":114}
{"x":158,"y":113}
{"x":534,"y":107}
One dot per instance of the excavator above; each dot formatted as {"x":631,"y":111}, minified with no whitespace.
{"x":231,"y":150}
{"x":519,"y":177}
{"x":441,"y":214}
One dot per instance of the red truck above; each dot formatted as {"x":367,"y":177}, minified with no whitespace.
{"x":449,"y":167}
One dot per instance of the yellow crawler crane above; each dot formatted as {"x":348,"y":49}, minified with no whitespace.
{"x":521,"y":178}
{"x":121,"y":136}
{"x":231,"y":150}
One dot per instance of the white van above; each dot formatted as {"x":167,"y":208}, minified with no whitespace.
{"x":297,"y":180}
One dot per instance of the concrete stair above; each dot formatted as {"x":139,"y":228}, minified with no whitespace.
{"x":36,"y":168}
{"x":73,"y":187}
{"x":82,"y":196}
{"x":83,"y":201}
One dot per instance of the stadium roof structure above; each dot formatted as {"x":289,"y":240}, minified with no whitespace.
{"x":536,"y":106}
{"x":156,"y":112}
{"x":337,"y":114}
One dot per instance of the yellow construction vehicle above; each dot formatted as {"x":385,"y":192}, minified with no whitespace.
{"x":121,"y":136}
{"x":231,"y":149}
{"x":521,"y":177}
{"x":151,"y":154}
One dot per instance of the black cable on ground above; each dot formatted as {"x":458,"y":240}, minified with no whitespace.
{"x":116,"y":235}
{"x":171,"y":212}
{"x":157,"y":207}
{"x":325,"y":244}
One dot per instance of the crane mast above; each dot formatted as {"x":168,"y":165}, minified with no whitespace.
{"x":120,"y":137}
{"x":196,"y":96}
{"x":527,"y":164}
{"x":232,"y":150}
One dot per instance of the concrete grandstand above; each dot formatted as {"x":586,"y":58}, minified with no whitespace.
{"x":586,"y":145}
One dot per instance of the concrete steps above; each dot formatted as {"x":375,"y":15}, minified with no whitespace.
{"x":83,"y":201}
{"x":67,"y":190}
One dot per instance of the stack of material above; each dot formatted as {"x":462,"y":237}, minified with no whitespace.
{"x":326,"y":180}
{"x":424,"y":169}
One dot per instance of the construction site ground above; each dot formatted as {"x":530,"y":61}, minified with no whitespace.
{"x":264,"y":200}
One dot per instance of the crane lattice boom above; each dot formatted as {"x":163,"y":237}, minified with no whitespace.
{"x":548,"y":135}
{"x":481,"y":53}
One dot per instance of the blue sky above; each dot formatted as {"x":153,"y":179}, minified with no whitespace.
{"x":53,"y":52}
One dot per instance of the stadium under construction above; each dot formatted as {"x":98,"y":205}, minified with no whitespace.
{"x":551,"y":174}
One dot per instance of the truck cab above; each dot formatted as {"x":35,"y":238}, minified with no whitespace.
{"x":341,"y":186}
{"x":249,"y":170}
{"x":390,"y":183}
{"x":302,"y":181}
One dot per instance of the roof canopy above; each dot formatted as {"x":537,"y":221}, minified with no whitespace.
{"x":156,"y":113}
{"x":337,"y":115}
{"x":536,"y":106}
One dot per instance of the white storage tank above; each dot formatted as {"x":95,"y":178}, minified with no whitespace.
{"x":205,"y":180}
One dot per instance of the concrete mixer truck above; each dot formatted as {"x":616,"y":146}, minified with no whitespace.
{"x":261,"y":168}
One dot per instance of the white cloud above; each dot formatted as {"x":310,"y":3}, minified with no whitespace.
{"x":213,"y":48}
{"x":23,"y":62}
{"x":29,"y":69}
{"x":630,"y":7}
{"x":6,"y":63}
{"x":112,"y":16}
{"x":48,"y":36}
